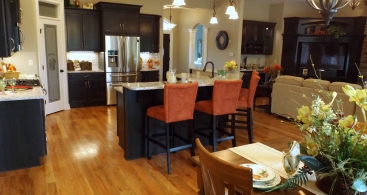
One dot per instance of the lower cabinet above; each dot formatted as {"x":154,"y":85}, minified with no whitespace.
{"x":149,"y":76}
{"x":87,"y":89}
{"x":22,"y":134}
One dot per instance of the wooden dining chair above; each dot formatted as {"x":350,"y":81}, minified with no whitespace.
{"x":178,"y":105}
{"x":218,"y":174}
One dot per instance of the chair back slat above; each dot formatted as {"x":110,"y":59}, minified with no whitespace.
{"x":179,"y":101}
{"x":216,"y":173}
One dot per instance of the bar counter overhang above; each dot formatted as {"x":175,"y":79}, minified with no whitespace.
{"x":133,"y":99}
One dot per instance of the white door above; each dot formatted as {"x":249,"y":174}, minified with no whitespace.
{"x":51,"y":70}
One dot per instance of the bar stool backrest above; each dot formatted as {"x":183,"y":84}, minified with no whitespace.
{"x":225,"y":96}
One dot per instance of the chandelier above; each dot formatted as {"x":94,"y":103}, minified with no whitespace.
{"x":231,"y":10}
{"x":170,"y":25}
{"x":327,"y":8}
{"x":353,"y":4}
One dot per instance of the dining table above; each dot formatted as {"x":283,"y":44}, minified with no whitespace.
{"x":261,"y":154}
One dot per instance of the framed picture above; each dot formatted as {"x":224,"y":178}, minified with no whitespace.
{"x":87,"y":5}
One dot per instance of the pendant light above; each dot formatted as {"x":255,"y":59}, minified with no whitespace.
{"x":230,"y":8}
{"x":233,"y":16}
{"x":178,"y":2}
{"x":353,"y":4}
{"x":170,"y":25}
{"x":214,"y":20}
{"x":327,"y":8}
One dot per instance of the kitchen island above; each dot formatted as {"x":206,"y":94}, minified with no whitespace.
{"x":133,"y":99}
{"x":22,"y":129}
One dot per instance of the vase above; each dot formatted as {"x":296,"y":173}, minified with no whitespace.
{"x":341,"y":187}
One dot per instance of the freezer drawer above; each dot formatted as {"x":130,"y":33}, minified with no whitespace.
{"x":111,"y":92}
{"x":122,"y":77}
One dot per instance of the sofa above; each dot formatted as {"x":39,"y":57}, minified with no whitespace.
{"x":290,"y":93}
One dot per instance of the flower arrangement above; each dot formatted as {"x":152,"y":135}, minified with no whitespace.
{"x":273,"y":70}
{"x":231,"y":65}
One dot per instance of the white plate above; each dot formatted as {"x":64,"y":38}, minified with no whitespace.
{"x":262,"y":173}
{"x":267,"y":184}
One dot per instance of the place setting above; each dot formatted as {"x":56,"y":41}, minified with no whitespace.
{"x":263,"y":177}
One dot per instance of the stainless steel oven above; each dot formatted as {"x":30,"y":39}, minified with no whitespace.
{"x":115,"y":80}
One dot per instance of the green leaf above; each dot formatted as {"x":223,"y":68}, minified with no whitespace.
{"x":312,"y":163}
{"x":299,"y":179}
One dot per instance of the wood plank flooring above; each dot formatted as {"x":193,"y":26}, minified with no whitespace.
{"x":84,"y":158}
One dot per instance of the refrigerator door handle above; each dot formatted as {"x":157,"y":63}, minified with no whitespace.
{"x":125,"y":75}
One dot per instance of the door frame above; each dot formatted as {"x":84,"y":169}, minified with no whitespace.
{"x":61,"y":50}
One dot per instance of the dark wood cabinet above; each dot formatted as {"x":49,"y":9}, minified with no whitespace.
{"x":257,"y":37}
{"x":86,"y":89}
{"x":149,"y":33}
{"x":23,"y":134}
{"x":7,"y":43}
{"x":16,"y":32}
{"x":333,"y":56}
{"x":119,"y":19}
{"x":149,"y":76}
{"x":82,"y":30}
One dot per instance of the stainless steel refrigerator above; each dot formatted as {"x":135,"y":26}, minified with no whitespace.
{"x":122,"y":60}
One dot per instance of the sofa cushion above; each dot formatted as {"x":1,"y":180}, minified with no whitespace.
{"x":289,"y":80}
{"x":337,"y":86}
{"x":316,"y":84}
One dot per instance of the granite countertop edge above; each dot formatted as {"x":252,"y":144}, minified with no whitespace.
{"x":35,"y":93}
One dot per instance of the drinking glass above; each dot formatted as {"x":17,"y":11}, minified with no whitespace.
{"x":12,"y":82}
{"x":290,"y":163}
{"x":3,"y":83}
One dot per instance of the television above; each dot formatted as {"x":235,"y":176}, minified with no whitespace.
{"x":328,"y":58}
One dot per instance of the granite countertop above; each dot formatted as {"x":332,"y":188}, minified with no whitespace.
{"x":35,"y":93}
{"x":201,"y":79}
{"x":151,"y":69}
{"x":84,"y":71}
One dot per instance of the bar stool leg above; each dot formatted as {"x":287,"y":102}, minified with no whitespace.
{"x":233,"y":130}
{"x":168,"y":149}
{"x":214,"y":134}
{"x":147,"y":122}
{"x":249,"y":125}
{"x":191,"y":136}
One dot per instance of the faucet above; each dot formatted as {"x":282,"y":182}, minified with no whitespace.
{"x":209,"y":62}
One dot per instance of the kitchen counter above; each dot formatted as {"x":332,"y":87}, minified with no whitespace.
{"x":35,"y":93}
{"x":151,"y":69}
{"x":201,"y":79}
{"x":84,"y":71}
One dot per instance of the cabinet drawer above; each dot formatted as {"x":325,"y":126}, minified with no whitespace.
{"x":83,"y":76}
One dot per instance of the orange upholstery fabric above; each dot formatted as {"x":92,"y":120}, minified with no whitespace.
{"x":224,"y":99}
{"x":179,"y":103}
{"x":246,"y":100}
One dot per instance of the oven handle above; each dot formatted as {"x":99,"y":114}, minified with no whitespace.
{"x":126,"y":75}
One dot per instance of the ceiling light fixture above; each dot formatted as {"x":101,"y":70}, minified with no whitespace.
{"x":327,"y":8}
{"x":178,"y":2}
{"x":214,"y":20}
{"x":170,"y":25}
{"x":230,"y":8}
{"x":353,"y":4}
{"x":233,"y":16}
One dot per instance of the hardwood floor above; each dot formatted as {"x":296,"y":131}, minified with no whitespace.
{"x":84,"y":158}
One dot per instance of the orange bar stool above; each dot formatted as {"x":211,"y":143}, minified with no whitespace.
{"x":223,"y":102}
{"x":178,"y":105}
{"x":245,"y":105}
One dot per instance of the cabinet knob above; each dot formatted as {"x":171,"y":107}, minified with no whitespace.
{"x":61,"y":70}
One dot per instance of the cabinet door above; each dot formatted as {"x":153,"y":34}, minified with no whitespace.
{"x":130,"y":22}
{"x":15,"y":22}
{"x":97,"y":91}
{"x":111,"y":21}
{"x":91,"y":33}
{"x":74,"y":33}
{"x":77,"y":92}
{"x":5,"y":26}
{"x":149,"y":33}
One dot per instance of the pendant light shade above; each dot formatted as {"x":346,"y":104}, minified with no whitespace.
{"x":233,"y":16}
{"x":328,"y":8}
{"x":230,"y":10}
{"x":178,"y":2}
{"x":214,"y":20}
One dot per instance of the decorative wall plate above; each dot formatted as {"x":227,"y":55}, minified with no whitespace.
{"x":221,"y":40}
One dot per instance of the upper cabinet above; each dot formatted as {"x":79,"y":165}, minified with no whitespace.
{"x":119,"y":19}
{"x":9,"y":27}
{"x":82,"y":29}
{"x":149,"y":33}
{"x":257,"y":37}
